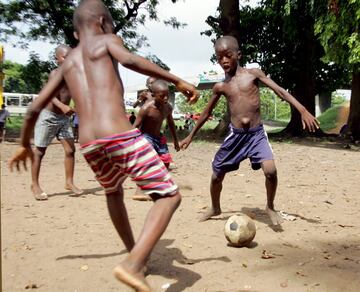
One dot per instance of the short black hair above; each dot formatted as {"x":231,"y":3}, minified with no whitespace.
{"x":230,"y":42}
{"x":159,"y":84}
{"x":89,"y":11}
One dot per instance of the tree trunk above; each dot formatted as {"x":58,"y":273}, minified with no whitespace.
{"x":324,"y":101}
{"x":229,"y":20}
{"x":304,"y":90}
{"x":354,"y":115}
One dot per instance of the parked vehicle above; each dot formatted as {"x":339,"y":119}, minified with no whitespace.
{"x":178,"y":116}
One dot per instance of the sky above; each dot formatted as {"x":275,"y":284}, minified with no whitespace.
{"x":185,"y":51}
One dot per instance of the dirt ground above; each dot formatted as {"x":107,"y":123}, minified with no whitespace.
{"x":69,"y":244}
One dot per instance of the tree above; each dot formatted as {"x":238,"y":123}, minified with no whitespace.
{"x":279,"y":35}
{"x":52,"y":20}
{"x":27,"y":78}
{"x":338,"y":29}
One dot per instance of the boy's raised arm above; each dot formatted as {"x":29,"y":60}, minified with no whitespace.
{"x":141,"y":65}
{"x":308,"y":120}
{"x":203,"y":117}
{"x":46,"y":94}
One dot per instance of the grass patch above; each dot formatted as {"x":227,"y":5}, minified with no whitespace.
{"x":13,"y":129}
{"x":328,"y":118}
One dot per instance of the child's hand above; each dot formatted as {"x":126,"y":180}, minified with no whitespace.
{"x":21,"y":154}
{"x":309,"y":121}
{"x":189,"y":91}
{"x":68,"y":111}
{"x":185,"y":143}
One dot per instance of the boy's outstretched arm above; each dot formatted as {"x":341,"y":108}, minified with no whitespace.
{"x":308,"y":120}
{"x":171,"y":124}
{"x":203,"y":117}
{"x":139,"y":64}
{"x":46,"y":94}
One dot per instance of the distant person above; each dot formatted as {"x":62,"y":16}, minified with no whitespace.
{"x":75,"y":124}
{"x":150,"y":119}
{"x":4,"y":117}
{"x":247,"y":138}
{"x":55,"y":121}
{"x":132,"y":118}
{"x":109,"y":143}
{"x":145,"y":95}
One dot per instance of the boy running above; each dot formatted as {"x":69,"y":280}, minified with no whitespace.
{"x":110,"y":144}
{"x":150,"y":119}
{"x":247,"y":138}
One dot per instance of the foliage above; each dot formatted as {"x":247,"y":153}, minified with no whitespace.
{"x":52,"y":20}
{"x":328,"y":118}
{"x":269,"y":101}
{"x":338,"y":30}
{"x":272,"y":34}
{"x":13,"y":128}
{"x":272,"y":107}
{"x":27,"y":78}
{"x":205,"y":96}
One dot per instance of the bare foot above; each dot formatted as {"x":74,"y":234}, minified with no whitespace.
{"x":134,"y":280}
{"x":38,"y":193}
{"x":274,"y":216}
{"x":209,"y":213}
{"x":76,"y":191}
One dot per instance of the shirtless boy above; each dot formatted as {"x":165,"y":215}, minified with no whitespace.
{"x":247,"y":138}
{"x":110,"y":144}
{"x":150,"y":119}
{"x":55,"y":121}
{"x":145,"y":95}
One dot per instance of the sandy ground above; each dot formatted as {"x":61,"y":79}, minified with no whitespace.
{"x":69,"y":244}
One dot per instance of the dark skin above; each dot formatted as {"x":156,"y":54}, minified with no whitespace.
{"x":146,"y":94}
{"x":241,"y":90}
{"x":150,"y":119}
{"x":151,"y":116}
{"x":59,"y":105}
{"x":91,"y":74}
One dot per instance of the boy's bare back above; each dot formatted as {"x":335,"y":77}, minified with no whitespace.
{"x":93,"y":80}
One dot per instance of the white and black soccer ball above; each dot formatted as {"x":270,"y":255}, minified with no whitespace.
{"x":240,"y":230}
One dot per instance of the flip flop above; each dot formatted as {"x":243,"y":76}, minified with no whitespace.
{"x":129,"y":279}
{"x":41,"y":197}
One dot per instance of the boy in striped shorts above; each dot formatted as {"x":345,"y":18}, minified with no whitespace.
{"x":110,"y":144}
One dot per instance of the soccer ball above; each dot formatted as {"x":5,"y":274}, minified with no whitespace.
{"x":240,"y":230}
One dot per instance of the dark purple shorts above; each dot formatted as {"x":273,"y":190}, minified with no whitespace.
{"x":240,"y":144}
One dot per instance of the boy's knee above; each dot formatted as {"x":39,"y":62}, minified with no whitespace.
{"x":270,"y":174}
{"x":216,"y":178}
{"x":70,"y":152}
{"x":39,"y":152}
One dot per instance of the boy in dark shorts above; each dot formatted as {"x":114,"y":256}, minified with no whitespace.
{"x":150,"y":119}
{"x":247,"y":138}
{"x":110,"y":144}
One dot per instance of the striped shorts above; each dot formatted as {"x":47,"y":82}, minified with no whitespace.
{"x":128,"y":154}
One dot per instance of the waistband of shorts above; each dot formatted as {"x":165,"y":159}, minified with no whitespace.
{"x":115,"y":137}
{"x":60,"y":116}
{"x":243,"y":130}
